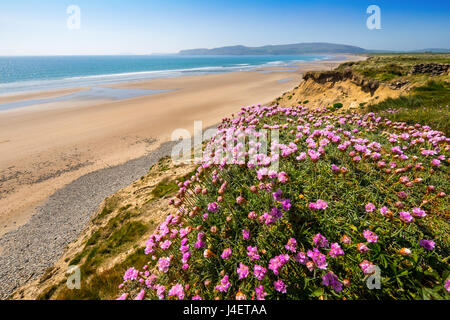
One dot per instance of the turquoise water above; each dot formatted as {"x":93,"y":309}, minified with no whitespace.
{"x":21,"y":74}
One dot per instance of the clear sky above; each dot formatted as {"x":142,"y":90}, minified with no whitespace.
{"x":39,"y":27}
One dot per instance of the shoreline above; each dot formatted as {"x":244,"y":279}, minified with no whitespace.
{"x":72,"y":81}
{"x":59,"y":197}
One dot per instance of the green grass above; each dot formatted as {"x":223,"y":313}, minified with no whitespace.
{"x":112,"y":245}
{"x":389,"y":67}
{"x":164,"y":188}
{"x":108,"y":241}
{"x":336,"y":106}
{"x":109,"y":207}
{"x":102,"y":285}
{"x":427,"y":104}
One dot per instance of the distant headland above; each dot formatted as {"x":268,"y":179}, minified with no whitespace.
{"x":294,"y":49}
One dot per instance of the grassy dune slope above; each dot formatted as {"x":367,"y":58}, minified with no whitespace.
{"x":113,"y":240}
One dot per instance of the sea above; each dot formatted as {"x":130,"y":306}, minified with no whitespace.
{"x":27,"y":73}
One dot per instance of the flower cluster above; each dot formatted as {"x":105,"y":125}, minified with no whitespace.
{"x":353,"y":194}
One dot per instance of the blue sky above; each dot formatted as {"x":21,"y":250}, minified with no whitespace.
{"x":38,"y":27}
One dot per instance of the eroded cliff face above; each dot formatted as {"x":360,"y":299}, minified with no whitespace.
{"x":323,"y":89}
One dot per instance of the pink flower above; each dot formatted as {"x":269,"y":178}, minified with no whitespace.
{"x":226,"y":254}
{"x":330,"y":279}
{"x":428,"y":152}
{"x":177,"y":291}
{"x":163,"y":264}
{"x":370,"y":236}
{"x":291,"y":245}
{"x":199,"y":244}
{"x":336,"y":250}
{"x":131,"y":274}
{"x":321,"y":204}
{"x":240,"y":200}
{"x":242,"y":271}
{"x":261,"y":173}
{"x":318,"y":258}
{"x":123,"y":297}
{"x":252,"y":215}
{"x":252,"y":252}
{"x":362,"y":247}
{"x":312,"y":206}
{"x":160,"y":289}
{"x":286,"y":204}
{"x":260,"y":293}
{"x":279,"y":286}
{"x":301,"y":258}
{"x":384,"y":211}
{"x":224,"y":284}
{"x":213,"y":207}
{"x":283,"y":177}
{"x":197,"y":297}
{"x":406,"y":216}
{"x":402,"y":195}
{"x":435,"y":163}
{"x":320,"y":241}
{"x":335,"y":168}
{"x":245,"y":234}
{"x":370,"y":207}
{"x":278,"y":262}
{"x":301,"y":156}
{"x":259,"y":272}
{"x":165,"y":245}
{"x":427,"y":244}
{"x":447,"y":285}
{"x":318,"y":205}
{"x":419,"y":213}
{"x":186,"y":257}
{"x":314,"y":155}
{"x":367,"y":267}
{"x":346,"y":239}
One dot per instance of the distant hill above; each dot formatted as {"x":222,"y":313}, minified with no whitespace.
{"x":285,"y":49}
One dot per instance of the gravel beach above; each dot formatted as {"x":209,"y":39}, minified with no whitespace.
{"x":25,"y":253}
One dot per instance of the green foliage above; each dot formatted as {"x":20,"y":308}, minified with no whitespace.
{"x":102,"y":285}
{"x":389,"y":67}
{"x":164,"y":188}
{"x":109,"y":206}
{"x":427,"y":104}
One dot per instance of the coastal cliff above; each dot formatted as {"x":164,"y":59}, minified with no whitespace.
{"x":326,"y":88}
